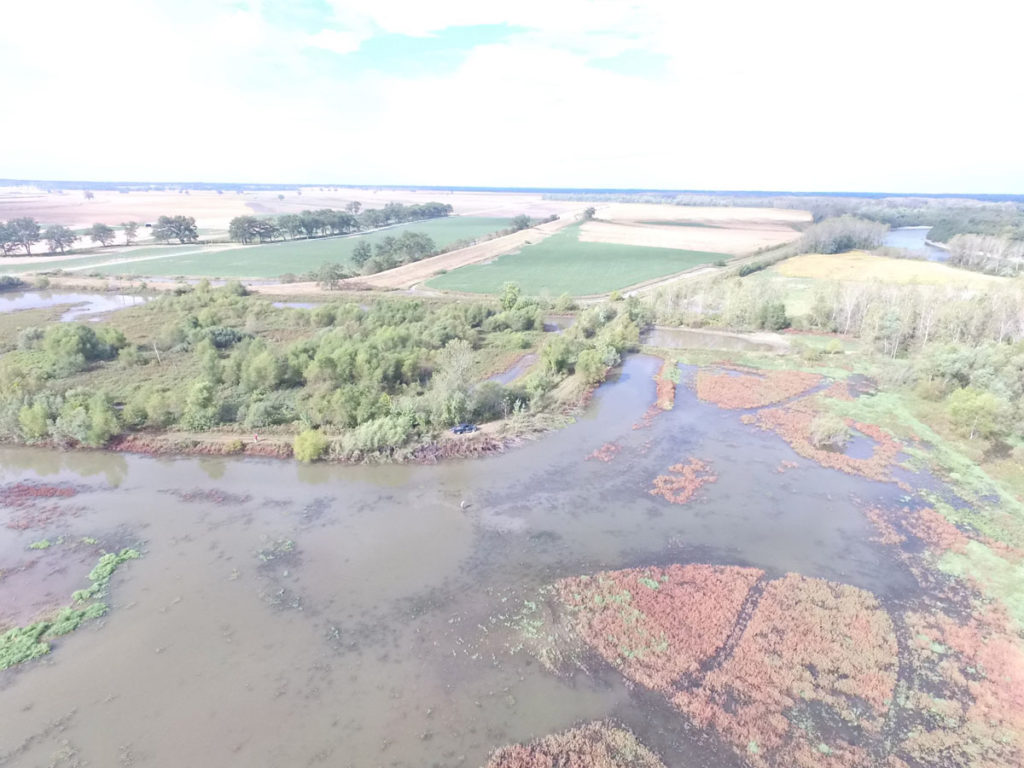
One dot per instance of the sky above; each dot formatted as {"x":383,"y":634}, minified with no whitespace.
{"x":873,"y":95}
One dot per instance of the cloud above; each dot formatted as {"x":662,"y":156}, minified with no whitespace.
{"x":782,"y":95}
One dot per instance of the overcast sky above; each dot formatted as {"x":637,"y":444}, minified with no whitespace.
{"x":895,"y":95}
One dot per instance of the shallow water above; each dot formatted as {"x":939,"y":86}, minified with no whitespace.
{"x":688,"y":338}
{"x":381,"y":639}
{"x":85,"y":303}
{"x":913,"y":239}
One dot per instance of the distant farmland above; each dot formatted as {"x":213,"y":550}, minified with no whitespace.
{"x":563,"y":264}
{"x":269,"y":260}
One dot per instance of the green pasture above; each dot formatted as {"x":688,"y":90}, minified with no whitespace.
{"x":563,"y":264}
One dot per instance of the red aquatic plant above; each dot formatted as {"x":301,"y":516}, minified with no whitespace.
{"x":666,"y":392}
{"x":683,"y":481}
{"x":793,"y":424}
{"x":36,"y":505}
{"x":658,"y":624}
{"x":744,"y":388}
{"x":211,"y":496}
{"x":605,"y":453}
{"x":594,"y":745}
{"x":785,"y":466}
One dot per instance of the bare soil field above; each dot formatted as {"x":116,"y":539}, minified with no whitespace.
{"x":409,"y":275}
{"x":215,"y":211}
{"x":720,"y":230}
{"x":71,"y":209}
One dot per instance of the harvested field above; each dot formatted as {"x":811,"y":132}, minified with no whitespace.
{"x":859,"y":266}
{"x":731,"y":231}
{"x":563,"y":263}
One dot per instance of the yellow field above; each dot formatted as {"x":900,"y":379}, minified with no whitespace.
{"x":858,"y":266}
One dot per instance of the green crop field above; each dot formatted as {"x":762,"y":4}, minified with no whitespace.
{"x":563,"y":264}
{"x":269,"y":260}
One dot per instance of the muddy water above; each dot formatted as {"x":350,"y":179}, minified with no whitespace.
{"x":380,"y":639}
{"x":85,"y":303}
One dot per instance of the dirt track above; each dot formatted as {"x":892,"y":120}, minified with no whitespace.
{"x":409,"y":275}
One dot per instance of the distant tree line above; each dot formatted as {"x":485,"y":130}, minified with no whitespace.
{"x":987,"y":253}
{"x":327,"y":221}
{"x":25,"y":233}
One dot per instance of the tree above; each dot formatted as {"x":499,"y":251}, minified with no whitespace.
{"x":509,"y":296}
{"x":7,"y":241}
{"x":59,"y":238}
{"x":131,"y":229}
{"x":310,"y":445}
{"x":25,"y":232}
{"x":361,"y":253}
{"x":589,"y":213}
{"x":329,"y":275}
{"x":520,"y":222}
{"x":354,"y":207}
{"x":181,"y":228}
{"x":87,"y":194}
{"x":978,"y":413}
{"x":102,"y":234}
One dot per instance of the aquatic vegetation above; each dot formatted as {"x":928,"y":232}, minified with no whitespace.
{"x":41,"y":544}
{"x":605,"y":453}
{"x":683,"y":481}
{"x":21,"y":644}
{"x":36,"y":505}
{"x":666,"y":380}
{"x":735,"y":387}
{"x":277,"y":550}
{"x":210,"y":496}
{"x":799,"y":671}
{"x":795,"y":422}
{"x":810,"y":647}
{"x":593,"y":745}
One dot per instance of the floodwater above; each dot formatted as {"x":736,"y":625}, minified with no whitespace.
{"x":84,"y":303}
{"x":914,"y":239}
{"x":379,"y":639}
{"x":514,"y":371}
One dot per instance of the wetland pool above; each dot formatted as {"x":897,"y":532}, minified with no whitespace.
{"x":291,"y":615}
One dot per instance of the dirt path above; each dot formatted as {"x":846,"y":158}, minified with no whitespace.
{"x":409,"y":275}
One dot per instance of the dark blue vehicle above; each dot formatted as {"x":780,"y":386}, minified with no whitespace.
{"x":461,"y":429}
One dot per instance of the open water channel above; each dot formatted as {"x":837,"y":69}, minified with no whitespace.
{"x":286,"y":615}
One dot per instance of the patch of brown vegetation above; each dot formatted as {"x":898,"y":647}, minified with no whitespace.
{"x":36,"y":505}
{"x":683,"y":481}
{"x":793,"y":424}
{"x":606,"y":452}
{"x":743,"y":388}
{"x":594,"y":745}
{"x":666,"y":392}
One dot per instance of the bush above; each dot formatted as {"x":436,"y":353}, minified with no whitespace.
{"x":829,"y":432}
{"x":29,"y":338}
{"x":772,"y":316}
{"x":310,"y":445}
{"x":8,"y":283}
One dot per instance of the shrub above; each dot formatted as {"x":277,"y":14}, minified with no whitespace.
{"x":29,"y":338}
{"x":310,"y":445}
{"x":8,"y":283}
{"x":829,"y":432}
{"x":772,"y":316}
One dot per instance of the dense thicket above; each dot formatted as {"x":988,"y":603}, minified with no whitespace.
{"x":375,"y":378}
{"x":987,"y":253}
{"x":844,"y":233}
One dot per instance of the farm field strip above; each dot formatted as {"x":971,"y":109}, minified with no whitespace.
{"x":565,"y":264}
{"x":410,"y":275}
{"x":860,"y":266}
